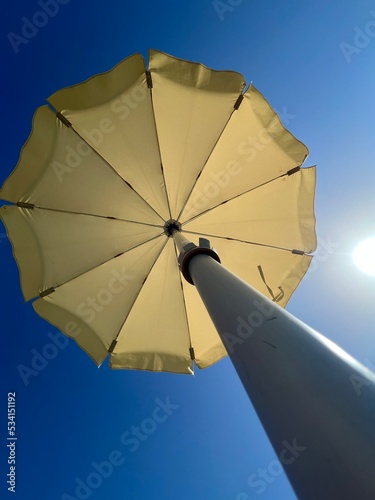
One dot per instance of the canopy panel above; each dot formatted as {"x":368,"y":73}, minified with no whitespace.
{"x":58,"y":170}
{"x":155,"y":335}
{"x":113,"y":113}
{"x":280,"y":214}
{"x":54,"y":247}
{"x":93,"y":307}
{"x":192,"y":106}
{"x":253,"y":149}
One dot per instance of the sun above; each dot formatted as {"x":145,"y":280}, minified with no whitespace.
{"x":364,"y":256}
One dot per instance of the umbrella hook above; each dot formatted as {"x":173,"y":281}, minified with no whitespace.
{"x":276,"y":298}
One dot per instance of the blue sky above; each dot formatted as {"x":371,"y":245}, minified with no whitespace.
{"x":313,"y":61}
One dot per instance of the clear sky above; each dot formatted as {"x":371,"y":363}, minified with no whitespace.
{"x":314,"y":62}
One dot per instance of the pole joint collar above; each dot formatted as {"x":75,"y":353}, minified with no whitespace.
{"x":188,"y":250}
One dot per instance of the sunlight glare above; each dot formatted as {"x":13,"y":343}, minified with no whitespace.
{"x":364,"y":256}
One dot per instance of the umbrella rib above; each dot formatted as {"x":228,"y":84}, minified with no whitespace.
{"x":158,"y":143}
{"x":235,"y":107}
{"x":136,"y":297}
{"x":53,"y":288}
{"x":66,"y":122}
{"x":290,"y":172}
{"x":293,"y":250}
{"x":60,"y":210}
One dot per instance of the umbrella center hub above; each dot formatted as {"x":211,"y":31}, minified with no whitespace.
{"x":171,"y":226}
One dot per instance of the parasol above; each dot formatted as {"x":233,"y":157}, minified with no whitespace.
{"x":113,"y":165}
{"x":118,"y":175}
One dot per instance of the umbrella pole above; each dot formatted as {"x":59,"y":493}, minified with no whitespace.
{"x":315,"y":402}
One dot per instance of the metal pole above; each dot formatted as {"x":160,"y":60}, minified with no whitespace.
{"x":315,"y":402}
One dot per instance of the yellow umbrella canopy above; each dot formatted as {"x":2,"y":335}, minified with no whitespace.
{"x":112,"y":164}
